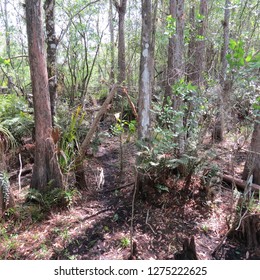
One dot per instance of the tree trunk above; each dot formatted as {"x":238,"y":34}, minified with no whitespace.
{"x":121,"y":9}
{"x":112,"y":43}
{"x":145,"y":80}
{"x":252,"y":165}
{"x":189,"y":250}
{"x":46,"y":171}
{"x":145,"y":86}
{"x":218,"y":134}
{"x":179,"y":68}
{"x":170,"y":63}
{"x":51,"y":40}
{"x":197,"y":46}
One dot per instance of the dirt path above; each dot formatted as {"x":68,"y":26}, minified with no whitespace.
{"x":98,"y":225}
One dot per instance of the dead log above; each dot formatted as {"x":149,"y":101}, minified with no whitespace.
{"x":241,"y":184}
{"x":131,"y":103}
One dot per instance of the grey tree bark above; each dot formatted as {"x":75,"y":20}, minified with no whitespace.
{"x":112,"y":43}
{"x":121,"y":9}
{"x":52,"y":42}
{"x":218,"y":133}
{"x":146,"y":71}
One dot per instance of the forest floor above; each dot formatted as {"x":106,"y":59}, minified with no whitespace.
{"x":98,"y":224}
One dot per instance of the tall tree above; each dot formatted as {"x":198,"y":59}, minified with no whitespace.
{"x":218,"y":134}
{"x":112,"y":42}
{"x":46,"y":171}
{"x":145,"y":85}
{"x":170,"y":62}
{"x":197,"y":46}
{"x":146,"y":71}
{"x":51,"y":40}
{"x":121,"y":9}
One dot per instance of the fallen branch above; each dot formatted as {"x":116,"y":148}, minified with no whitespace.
{"x":117,"y":188}
{"x":96,"y":214}
{"x":79,"y":172}
{"x":131,"y":103}
{"x":239,"y":182}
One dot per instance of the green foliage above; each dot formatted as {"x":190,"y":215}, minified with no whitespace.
{"x":10,"y":141}
{"x":170,"y":26}
{"x":15,"y":116}
{"x":256,"y":105}
{"x":125,"y":242}
{"x":52,"y":198}
{"x":161,"y":188}
{"x":122,"y":126}
{"x":5,"y":61}
{"x":68,"y":144}
{"x":236,"y":56}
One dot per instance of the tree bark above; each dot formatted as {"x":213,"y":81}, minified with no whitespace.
{"x":179,"y":68}
{"x":46,"y":171}
{"x":170,"y":61}
{"x":241,"y":184}
{"x":121,"y":9}
{"x":252,"y":165}
{"x":197,"y":47}
{"x":145,"y":88}
{"x":218,"y":134}
{"x":112,"y":43}
{"x":52,"y":42}
{"x":145,"y":80}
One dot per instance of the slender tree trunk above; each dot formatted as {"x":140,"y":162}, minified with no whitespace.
{"x":145,"y":80}
{"x":252,"y":165}
{"x":52,"y":42}
{"x":191,"y":68}
{"x":4,"y":10}
{"x":201,"y":43}
{"x":218,"y":134}
{"x":121,"y":9}
{"x":112,"y":43}
{"x":46,"y":171}
{"x":7,"y":31}
{"x":145,"y":87}
{"x":170,"y":62}
{"x":179,"y":68}
{"x":197,"y":47}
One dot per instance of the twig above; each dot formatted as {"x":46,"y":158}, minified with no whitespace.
{"x":94,"y":215}
{"x":221,"y":242}
{"x":132,"y":216}
{"x":20,"y":172}
{"x":146,"y":222}
{"x":241,"y":219}
{"x":118,"y":188}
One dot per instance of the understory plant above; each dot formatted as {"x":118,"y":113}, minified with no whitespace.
{"x":16,"y":116}
{"x":69,"y":141}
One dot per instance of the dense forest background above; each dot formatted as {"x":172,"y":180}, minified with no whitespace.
{"x":116,"y":114}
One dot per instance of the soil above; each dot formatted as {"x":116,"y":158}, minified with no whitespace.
{"x":98,"y":224}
